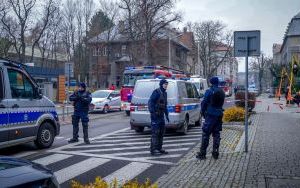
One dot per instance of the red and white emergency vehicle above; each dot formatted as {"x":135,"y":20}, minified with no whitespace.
{"x":132,"y":74}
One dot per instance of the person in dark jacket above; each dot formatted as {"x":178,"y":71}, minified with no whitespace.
{"x":81,"y":100}
{"x":212,"y":110}
{"x":158,"y":109}
{"x":297,"y":99}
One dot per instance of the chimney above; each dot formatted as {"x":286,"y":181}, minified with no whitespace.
{"x":185,"y":29}
{"x":121,"y":26}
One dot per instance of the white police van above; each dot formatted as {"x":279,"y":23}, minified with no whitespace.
{"x":25,"y":114}
{"x":183,"y":105}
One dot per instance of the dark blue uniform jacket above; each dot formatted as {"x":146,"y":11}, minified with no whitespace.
{"x":82,"y":100}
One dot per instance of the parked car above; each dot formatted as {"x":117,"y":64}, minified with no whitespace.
{"x":25,"y":114}
{"x":16,"y":172}
{"x":183,"y":105}
{"x":254,"y":90}
{"x":105,"y":101}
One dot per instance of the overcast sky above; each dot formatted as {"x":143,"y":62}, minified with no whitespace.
{"x":269,"y":16}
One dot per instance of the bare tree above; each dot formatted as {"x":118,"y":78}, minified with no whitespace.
{"x":211,"y":36}
{"x":146,"y":18}
{"x":49,"y":9}
{"x":15,"y":17}
{"x":262,"y":65}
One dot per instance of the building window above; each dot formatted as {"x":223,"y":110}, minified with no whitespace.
{"x":104,"y":51}
{"x":97,"y":51}
{"x":123,"y":50}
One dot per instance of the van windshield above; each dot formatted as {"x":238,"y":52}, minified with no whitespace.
{"x":144,"y":89}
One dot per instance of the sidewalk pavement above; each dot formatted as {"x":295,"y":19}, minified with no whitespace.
{"x":272,"y":160}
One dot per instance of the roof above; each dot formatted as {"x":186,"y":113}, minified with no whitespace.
{"x":293,"y":29}
{"x":187,"y":39}
{"x":116,"y":35}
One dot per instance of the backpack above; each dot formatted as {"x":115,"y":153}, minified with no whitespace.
{"x":217,"y":98}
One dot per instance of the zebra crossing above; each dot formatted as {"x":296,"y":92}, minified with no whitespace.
{"x":122,"y":154}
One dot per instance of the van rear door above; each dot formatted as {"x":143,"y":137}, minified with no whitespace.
{"x":3,"y":111}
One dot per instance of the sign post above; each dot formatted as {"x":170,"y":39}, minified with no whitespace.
{"x":246,"y":43}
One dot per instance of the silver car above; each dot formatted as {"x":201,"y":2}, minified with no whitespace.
{"x":183,"y":105}
{"x":105,"y":101}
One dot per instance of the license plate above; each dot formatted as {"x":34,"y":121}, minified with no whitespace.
{"x":142,"y":108}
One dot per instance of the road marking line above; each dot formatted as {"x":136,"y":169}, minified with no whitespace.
{"x":126,"y":144}
{"x":115,"y":157}
{"x":134,"y":147}
{"x":77,"y":143}
{"x":52,"y":159}
{"x":161,"y":157}
{"x":59,"y":137}
{"x":79,"y":168}
{"x":141,"y":139}
{"x":128,"y":172}
{"x":145,"y":152}
{"x":149,"y":135}
{"x":24,"y":154}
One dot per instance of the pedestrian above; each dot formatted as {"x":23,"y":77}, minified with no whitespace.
{"x":287,"y":94}
{"x":81,"y":100}
{"x":212,"y":110}
{"x":159,"y":112}
{"x":297,"y":98}
{"x":112,"y":87}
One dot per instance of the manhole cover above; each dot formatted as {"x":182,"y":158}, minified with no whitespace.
{"x":283,"y":182}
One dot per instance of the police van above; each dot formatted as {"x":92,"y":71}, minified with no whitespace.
{"x":183,"y":105}
{"x":25,"y":114}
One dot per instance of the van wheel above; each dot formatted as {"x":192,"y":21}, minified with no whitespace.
{"x":199,"y":122}
{"x":105,"y":109}
{"x":139,"y":129}
{"x":45,"y":136}
{"x":185,"y":126}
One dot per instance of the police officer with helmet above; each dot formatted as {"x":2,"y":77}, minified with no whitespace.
{"x":212,"y":110}
{"x":81,"y":100}
{"x":157,"y":105}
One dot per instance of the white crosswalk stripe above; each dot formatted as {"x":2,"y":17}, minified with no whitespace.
{"x":124,"y":145}
{"x":78,"y":168}
{"x":128,"y":172}
{"x":52,"y":159}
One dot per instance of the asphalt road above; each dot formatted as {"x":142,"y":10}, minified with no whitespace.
{"x":115,"y":152}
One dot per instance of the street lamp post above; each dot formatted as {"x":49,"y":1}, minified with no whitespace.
{"x":171,"y":38}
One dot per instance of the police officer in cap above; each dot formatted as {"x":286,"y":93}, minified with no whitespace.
{"x":81,"y":100}
{"x":212,"y":110}
{"x":158,"y":109}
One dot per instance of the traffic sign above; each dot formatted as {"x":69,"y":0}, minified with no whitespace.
{"x":246,"y":43}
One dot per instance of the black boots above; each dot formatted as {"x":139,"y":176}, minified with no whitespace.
{"x":201,"y":156}
{"x":85,"y":133}
{"x":73,"y":140}
{"x":215,"y":153}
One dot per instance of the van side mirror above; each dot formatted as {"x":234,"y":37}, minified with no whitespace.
{"x":38,"y":93}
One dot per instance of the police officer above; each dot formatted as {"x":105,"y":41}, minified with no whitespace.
{"x":81,"y":100}
{"x":212,"y":110}
{"x":158,"y":109}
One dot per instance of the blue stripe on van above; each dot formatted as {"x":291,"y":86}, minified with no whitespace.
{"x":3,"y":119}
{"x":171,"y":108}
{"x":22,"y":117}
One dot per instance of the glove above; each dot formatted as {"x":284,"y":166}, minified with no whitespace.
{"x":167,"y":118}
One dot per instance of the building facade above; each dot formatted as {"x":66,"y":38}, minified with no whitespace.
{"x":112,"y":51}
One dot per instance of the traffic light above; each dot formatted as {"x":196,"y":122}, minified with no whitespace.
{"x":295,"y":69}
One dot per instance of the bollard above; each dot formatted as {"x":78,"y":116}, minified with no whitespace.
{"x":63,"y":115}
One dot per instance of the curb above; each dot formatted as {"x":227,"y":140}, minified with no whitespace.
{"x":91,"y":118}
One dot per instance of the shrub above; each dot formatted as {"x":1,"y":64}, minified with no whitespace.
{"x":241,"y":97}
{"x":234,"y":114}
{"x":100,"y":183}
